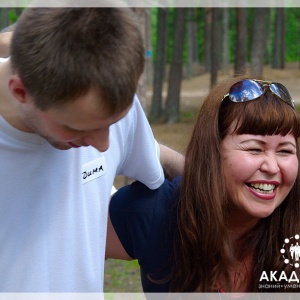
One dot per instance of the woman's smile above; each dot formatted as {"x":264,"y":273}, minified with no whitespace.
{"x":263,"y":189}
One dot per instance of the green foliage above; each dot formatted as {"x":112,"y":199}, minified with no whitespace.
{"x":154,"y":12}
{"x":200,"y":18}
{"x":292,"y":34}
{"x":232,"y":34}
{"x":12,"y":15}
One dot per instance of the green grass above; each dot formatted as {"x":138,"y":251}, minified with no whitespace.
{"x":188,"y":116}
{"x":122,"y":276}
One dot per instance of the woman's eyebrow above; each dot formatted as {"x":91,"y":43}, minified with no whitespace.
{"x":264,"y":142}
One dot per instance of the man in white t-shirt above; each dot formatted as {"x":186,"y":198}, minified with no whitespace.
{"x":69,"y":84}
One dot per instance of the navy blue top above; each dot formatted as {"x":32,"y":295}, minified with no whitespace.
{"x":145,"y":222}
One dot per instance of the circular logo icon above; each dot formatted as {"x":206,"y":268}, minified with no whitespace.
{"x":290,"y":251}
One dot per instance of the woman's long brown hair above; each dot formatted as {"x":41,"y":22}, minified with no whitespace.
{"x":204,"y":253}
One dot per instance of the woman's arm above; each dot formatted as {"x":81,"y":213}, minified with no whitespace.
{"x":114,"y":248}
{"x":143,"y":221}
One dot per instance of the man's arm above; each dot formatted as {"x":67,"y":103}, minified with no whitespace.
{"x":171,"y":161}
{"x":5,"y":38}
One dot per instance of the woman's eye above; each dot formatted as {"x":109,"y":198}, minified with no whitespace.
{"x":286,"y":151}
{"x":255,"y":150}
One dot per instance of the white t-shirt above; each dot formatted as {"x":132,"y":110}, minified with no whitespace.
{"x":54,"y":203}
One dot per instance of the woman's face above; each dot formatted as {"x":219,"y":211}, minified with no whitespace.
{"x":259,"y":172}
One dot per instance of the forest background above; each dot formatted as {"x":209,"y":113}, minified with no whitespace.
{"x":188,"y":50}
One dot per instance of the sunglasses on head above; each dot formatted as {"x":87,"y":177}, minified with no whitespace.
{"x":251,"y":89}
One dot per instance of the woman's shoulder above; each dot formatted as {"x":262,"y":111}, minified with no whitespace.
{"x":145,"y":223}
{"x":139,"y":213}
{"x":137,"y":197}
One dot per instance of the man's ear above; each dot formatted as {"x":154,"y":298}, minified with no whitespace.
{"x":17,"y":89}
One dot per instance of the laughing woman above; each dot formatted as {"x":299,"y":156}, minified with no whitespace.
{"x":227,"y":223}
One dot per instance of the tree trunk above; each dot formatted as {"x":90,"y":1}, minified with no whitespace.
{"x":192,"y":42}
{"x":268,"y":37}
{"x":159,"y":64}
{"x":225,"y":33}
{"x":279,"y":41}
{"x":215,"y":45}
{"x":141,"y":88}
{"x":241,"y":44}
{"x":207,"y":39}
{"x":175,"y":77}
{"x":258,"y":42}
{"x":148,"y":45}
{"x":4,"y":19}
{"x":195,"y":31}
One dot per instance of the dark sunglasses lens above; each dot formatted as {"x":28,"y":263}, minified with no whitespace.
{"x":281,"y":92}
{"x":245,"y":90}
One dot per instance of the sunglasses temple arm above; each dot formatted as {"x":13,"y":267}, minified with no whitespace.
{"x":226,"y":95}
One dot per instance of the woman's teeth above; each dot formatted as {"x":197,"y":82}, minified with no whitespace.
{"x":263,"y":187}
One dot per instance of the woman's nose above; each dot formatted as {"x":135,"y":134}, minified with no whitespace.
{"x":270,"y":164}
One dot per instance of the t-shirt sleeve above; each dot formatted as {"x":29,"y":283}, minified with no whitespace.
{"x":142,"y":158}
